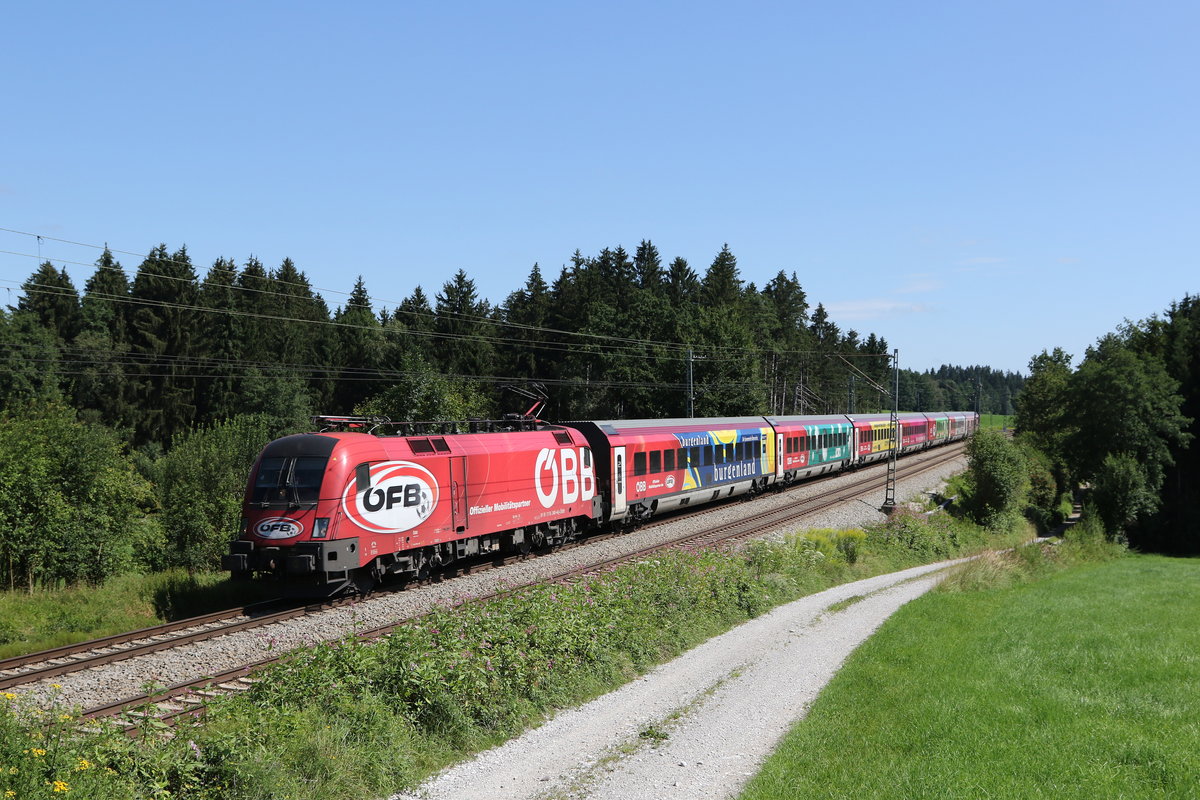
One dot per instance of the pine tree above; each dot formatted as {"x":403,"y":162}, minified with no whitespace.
{"x":648,"y":267}
{"x":360,"y":345}
{"x":683,"y":285}
{"x":220,"y":341}
{"x":103,"y":391}
{"x":50,"y":298}
{"x":162,"y":337}
{"x":527,"y":311}
{"x":722,"y":285}
{"x":463,"y":346}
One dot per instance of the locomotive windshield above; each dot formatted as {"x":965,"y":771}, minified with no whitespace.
{"x":289,"y":481}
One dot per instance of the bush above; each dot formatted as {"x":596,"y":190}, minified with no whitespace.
{"x":71,"y":505}
{"x":999,"y":478}
{"x":1121,"y":492}
{"x":202,"y":483}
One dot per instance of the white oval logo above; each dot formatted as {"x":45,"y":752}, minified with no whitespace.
{"x":402,"y":495}
{"x":278,"y":528}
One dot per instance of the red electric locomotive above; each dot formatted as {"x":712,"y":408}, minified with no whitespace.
{"x":342,"y":509}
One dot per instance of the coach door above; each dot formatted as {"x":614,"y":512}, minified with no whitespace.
{"x":458,"y":492}
{"x":619,"y":506}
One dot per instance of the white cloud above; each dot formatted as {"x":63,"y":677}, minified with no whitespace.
{"x":919,"y":284}
{"x":877,"y":308}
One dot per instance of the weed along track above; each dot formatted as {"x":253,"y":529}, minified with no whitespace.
{"x":124,"y":646}
{"x":172,"y":680}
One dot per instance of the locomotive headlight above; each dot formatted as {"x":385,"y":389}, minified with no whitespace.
{"x":321,"y":528}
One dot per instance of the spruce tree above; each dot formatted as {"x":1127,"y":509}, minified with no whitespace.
{"x":50,"y":298}
{"x":103,"y":391}
{"x":162,"y":336}
{"x":463,"y":346}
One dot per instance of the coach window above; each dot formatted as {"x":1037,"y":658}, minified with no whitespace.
{"x":738,"y":452}
{"x":789,"y":444}
{"x":694,"y":457}
{"x":681,"y":458}
{"x":708,"y":455}
{"x":639,"y":463}
{"x":655,"y":461}
{"x":720,"y":453}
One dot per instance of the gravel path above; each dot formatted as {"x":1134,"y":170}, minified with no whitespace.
{"x":722,"y":708}
{"x":116,"y":682}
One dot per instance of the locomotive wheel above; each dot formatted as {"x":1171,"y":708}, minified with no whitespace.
{"x":362,"y":581}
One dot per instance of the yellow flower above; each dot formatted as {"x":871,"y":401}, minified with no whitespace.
{"x":62,"y":786}
{"x":37,"y":751}
{"x":9,"y":696}
{"x":65,"y":717}
{"x":57,"y":686}
{"x":82,"y":765}
{"x":10,"y":793}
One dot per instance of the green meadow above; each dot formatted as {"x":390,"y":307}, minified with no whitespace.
{"x":1083,"y":684}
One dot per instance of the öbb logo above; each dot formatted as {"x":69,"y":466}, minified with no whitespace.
{"x":565,"y":479}
{"x":401,"y":496}
{"x":278,"y":528}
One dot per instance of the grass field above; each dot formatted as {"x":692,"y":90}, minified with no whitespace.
{"x":52,"y":618}
{"x":995,"y":422}
{"x":1082,"y":685}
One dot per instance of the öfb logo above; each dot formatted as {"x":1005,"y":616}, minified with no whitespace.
{"x":401,"y":496}
{"x":278,"y":528}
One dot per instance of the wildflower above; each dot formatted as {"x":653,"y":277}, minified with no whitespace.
{"x":65,"y":717}
{"x":195,"y":747}
{"x":37,"y":751}
{"x":62,"y":786}
{"x":56,"y":686}
{"x":83,"y":764}
{"x":9,"y":696}
{"x":10,"y":793}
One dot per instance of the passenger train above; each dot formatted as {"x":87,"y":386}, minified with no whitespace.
{"x":361,"y":500}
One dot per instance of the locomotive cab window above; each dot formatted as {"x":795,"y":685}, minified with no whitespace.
{"x":289,"y":481}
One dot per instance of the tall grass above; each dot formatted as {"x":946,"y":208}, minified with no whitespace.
{"x":44,"y":619}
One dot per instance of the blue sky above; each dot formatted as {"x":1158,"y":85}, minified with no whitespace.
{"x":973,"y":181}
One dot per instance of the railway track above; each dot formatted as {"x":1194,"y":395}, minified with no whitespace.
{"x":167,"y":706}
{"x":70,"y":658}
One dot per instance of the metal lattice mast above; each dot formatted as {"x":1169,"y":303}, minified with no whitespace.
{"x":889,"y":494}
